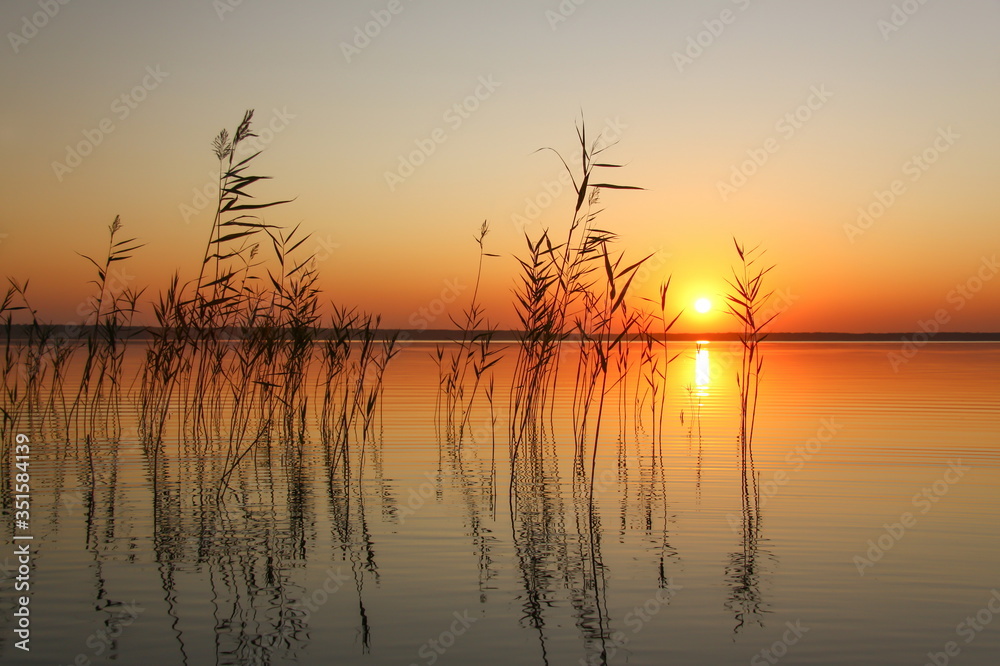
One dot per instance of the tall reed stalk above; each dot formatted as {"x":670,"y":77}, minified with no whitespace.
{"x":470,"y":353}
{"x":112,"y":310}
{"x":551,"y":292}
{"x":656,"y":360}
{"x":746,"y":301}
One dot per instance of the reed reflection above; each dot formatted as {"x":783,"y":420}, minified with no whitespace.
{"x":748,"y":565}
{"x":474,"y":480}
{"x":250,"y":528}
{"x":254,"y":541}
{"x":558,"y":547}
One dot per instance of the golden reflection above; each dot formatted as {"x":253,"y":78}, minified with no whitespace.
{"x":702,"y":368}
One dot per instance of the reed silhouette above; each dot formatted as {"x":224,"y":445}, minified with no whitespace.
{"x":259,"y":422}
{"x":473,"y":355}
{"x":575,"y":287}
{"x":746,"y":302}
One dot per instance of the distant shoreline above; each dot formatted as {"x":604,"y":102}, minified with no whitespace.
{"x":513,"y":336}
{"x":20,"y":332}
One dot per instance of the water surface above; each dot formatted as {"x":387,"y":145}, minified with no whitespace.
{"x":425,"y":552}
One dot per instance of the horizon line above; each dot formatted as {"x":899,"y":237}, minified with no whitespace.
{"x":19,"y":331}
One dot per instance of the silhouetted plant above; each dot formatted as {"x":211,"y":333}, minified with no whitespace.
{"x":553,"y":286}
{"x":110,"y":321}
{"x":746,"y":301}
{"x":473,"y":354}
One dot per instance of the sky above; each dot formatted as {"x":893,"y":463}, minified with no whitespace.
{"x":855,"y":141}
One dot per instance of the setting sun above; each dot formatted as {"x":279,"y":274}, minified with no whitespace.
{"x":703,"y":305}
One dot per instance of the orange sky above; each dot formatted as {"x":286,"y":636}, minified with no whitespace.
{"x":774,"y":122}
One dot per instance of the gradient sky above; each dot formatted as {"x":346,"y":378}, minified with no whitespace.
{"x":886,"y":95}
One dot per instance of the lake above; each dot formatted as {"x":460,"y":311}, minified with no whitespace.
{"x":863,"y":528}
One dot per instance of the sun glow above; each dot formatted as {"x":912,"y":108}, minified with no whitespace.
{"x":702,"y":368}
{"x":703,"y":305}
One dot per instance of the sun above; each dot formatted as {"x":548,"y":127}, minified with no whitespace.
{"x":703,"y":305}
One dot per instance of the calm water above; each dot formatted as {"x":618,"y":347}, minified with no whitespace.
{"x":866,"y":531}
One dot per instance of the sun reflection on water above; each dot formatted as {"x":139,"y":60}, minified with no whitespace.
{"x":702,"y":369}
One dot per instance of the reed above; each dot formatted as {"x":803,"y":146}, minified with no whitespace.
{"x":112,"y":310}
{"x":746,"y":301}
{"x":13,"y":368}
{"x":656,"y":359}
{"x":604,"y":326}
{"x":553,"y":291}
{"x":35,"y":362}
{"x":353,"y":362}
{"x":165,"y":362}
{"x":226,"y":293}
{"x":470,"y":354}
{"x":234,"y":349}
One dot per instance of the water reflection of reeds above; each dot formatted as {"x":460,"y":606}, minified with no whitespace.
{"x":558,"y":546}
{"x":249,"y":542}
{"x":254,"y":543}
{"x":749,"y":565}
